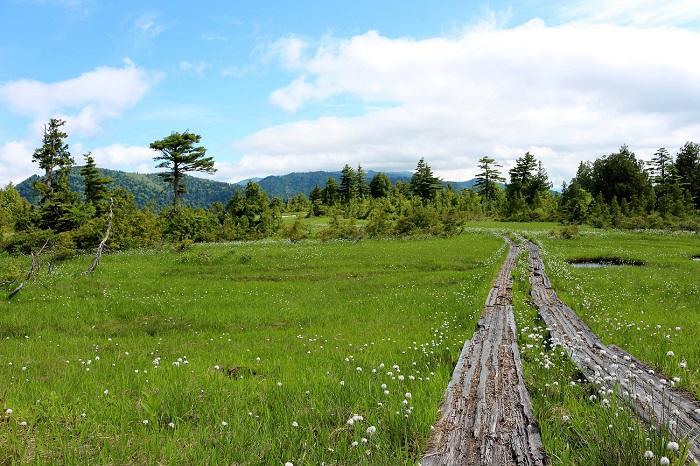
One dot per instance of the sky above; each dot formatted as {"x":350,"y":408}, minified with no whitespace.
{"x":281,"y":86}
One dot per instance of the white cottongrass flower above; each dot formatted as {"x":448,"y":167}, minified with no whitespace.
{"x":145,"y":422}
{"x":288,"y":463}
{"x":106,"y":392}
{"x":294,"y":424}
{"x":648,"y":454}
{"x":408,"y":395}
{"x":8,"y":411}
{"x":354,"y":444}
{"x":23,"y":423}
{"x":664,"y":461}
{"x":224,"y":423}
{"x":670,"y":354}
{"x":673,"y":446}
{"x":171,"y":425}
{"x":371,"y":430}
{"x":342,"y":383}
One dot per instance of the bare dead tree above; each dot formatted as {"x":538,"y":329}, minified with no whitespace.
{"x":16,"y":290}
{"x":35,"y":259}
{"x":101,"y":247}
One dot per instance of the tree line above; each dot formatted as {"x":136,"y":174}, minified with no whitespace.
{"x":614,"y":191}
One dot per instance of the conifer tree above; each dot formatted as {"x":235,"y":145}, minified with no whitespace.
{"x":96,"y":191}
{"x":56,"y":197}
{"x":348,"y":184}
{"x":423,"y":183}
{"x":179,"y":155}
{"x":489,"y":177}
{"x":361,"y":182}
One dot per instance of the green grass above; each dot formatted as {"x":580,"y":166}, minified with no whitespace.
{"x":651,"y":310}
{"x":581,"y":423}
{"x":246,"y":353}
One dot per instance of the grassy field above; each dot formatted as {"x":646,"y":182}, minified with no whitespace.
{"x":337,"y":353}
{"x":251,"y":353}
{"x":581,"y":423}
{"x":650,"y":310}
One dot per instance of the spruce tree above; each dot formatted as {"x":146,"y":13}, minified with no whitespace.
{"x":96,"y":191}
{"x":53,"y":157}
{"x":423,"y":183}
{"x":348,"y":184}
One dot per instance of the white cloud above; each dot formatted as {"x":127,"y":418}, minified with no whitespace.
{"x":16,"y":160}
{"x":118,"y":156}
{"x":147,"y":27}
{"x":640,"y":13}
{"x":288,"y":50}
{"x":84,"y":102}
{"x":568,"y":93}
{"x":197,"y":68}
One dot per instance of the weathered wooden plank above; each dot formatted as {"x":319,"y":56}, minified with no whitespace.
{"x":487,"y":416}
{"x":648,"y":393}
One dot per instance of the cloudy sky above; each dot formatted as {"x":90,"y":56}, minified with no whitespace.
{"x":278,"y":86}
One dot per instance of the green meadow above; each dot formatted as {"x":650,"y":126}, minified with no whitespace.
{"x":333,"y":353}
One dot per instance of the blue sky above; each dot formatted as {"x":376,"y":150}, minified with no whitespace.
{"x":280,"y":86}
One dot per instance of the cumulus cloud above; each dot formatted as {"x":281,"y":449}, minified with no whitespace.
{"x":118,"y":156}
{"x":84,"y":102}
{"x":16,"y":159}
{"x":567,"y":93}
{"x":16,"y":162}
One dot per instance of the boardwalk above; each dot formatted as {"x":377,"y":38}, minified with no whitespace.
{"x":650,"y":395}
{"x":487,"y":416}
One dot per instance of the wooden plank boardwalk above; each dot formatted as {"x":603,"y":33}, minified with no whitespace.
{"x":609,"y":367}
{"x":487,"y":416}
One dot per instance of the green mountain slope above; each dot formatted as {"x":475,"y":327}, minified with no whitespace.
{"x":202,"y":192}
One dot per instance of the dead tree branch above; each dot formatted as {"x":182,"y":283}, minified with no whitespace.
{"x":101,"y":247}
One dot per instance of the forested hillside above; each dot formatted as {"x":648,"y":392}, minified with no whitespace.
{"x":150,"y":189}
{"x":74,"y":208}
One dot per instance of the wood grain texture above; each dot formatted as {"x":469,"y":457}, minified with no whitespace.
{"x":487,"y":416}
{"x":648,"y":393}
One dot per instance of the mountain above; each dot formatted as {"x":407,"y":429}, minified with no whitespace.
{"x":202,"y":192}
{"x":147,"y":188}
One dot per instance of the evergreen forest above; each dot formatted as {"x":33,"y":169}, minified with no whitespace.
{"x":75,"y":207}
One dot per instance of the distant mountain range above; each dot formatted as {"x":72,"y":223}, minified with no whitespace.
{"x":202,"y":192}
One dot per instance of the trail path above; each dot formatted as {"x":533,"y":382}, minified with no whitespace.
{"x":487,"y":416}
{"x":650,"y":395}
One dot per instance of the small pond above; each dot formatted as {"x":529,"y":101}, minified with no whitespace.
{"x":601,"y":263}
{"x":593,"y":265}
